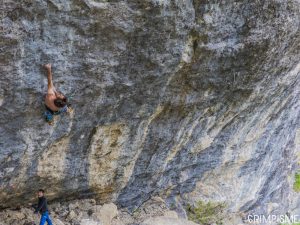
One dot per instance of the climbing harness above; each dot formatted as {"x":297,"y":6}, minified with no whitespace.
{"x":49,"y":114}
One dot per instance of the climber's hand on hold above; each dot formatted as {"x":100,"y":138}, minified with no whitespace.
{"x":47,"y":66}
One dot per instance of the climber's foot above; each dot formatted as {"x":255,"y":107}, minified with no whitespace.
{"x":70,"y":110}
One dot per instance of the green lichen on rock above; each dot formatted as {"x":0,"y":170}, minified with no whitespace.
{"x":297,"y":182}
{"x":206,"y":213}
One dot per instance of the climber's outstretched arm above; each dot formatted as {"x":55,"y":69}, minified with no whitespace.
{"x":51,"y":88}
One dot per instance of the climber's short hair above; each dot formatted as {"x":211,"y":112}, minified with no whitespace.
{"x":61,"y":102}
{"x":42,"y":190}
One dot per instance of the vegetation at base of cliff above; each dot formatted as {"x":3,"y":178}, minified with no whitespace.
{"x":297,"y":182}
{"x":290,"y":224}
{"x":206,"y":213}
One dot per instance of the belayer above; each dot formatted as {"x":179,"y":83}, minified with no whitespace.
{"x":42,"y":208}
{"x":55,"y":102}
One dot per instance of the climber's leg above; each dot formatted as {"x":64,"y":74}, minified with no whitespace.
{"x":49,"y":116}
{"x":48,"y":219}
{"x":51,"y":89}
{"x":43,"y":219}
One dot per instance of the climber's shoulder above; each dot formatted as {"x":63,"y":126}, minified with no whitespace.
{"x":49,"y":102}
{"x":51,"y":91}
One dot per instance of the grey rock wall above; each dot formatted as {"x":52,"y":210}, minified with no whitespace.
{"x":183,"y":99}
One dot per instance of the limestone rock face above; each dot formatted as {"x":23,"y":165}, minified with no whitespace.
{"x":183,"y":99}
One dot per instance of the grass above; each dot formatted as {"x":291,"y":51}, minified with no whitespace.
{"x":290,"y":224}
{"x":206,"y":213}
{"x":297,"y":182}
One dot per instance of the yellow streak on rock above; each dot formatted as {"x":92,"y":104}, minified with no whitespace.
{"x":105,"y":148}
{"x":51,"y":163}
{"x":143,"y":130}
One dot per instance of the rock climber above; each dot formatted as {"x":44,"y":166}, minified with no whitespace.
{"x":55,"y":102}
{"x":42,"y":207}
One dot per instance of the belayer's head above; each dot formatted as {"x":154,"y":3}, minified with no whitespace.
{"x":60,"y":101}
{"x":41,"y":193}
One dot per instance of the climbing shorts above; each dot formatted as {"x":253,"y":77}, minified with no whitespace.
{"x":49,"y":114}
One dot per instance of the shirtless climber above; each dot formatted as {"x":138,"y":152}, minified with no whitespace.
{"x":55,"y":102}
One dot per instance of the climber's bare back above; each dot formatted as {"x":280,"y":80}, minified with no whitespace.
{"x":52,"y":94}
{"x":49,"y":101}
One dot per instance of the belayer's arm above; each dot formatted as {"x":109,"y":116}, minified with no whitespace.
{"x":34,"y":206}
{"x":38,"y":208}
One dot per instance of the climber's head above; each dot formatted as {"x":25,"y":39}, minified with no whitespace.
{"x":41,"y":193}
{"x":61,"y":100}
